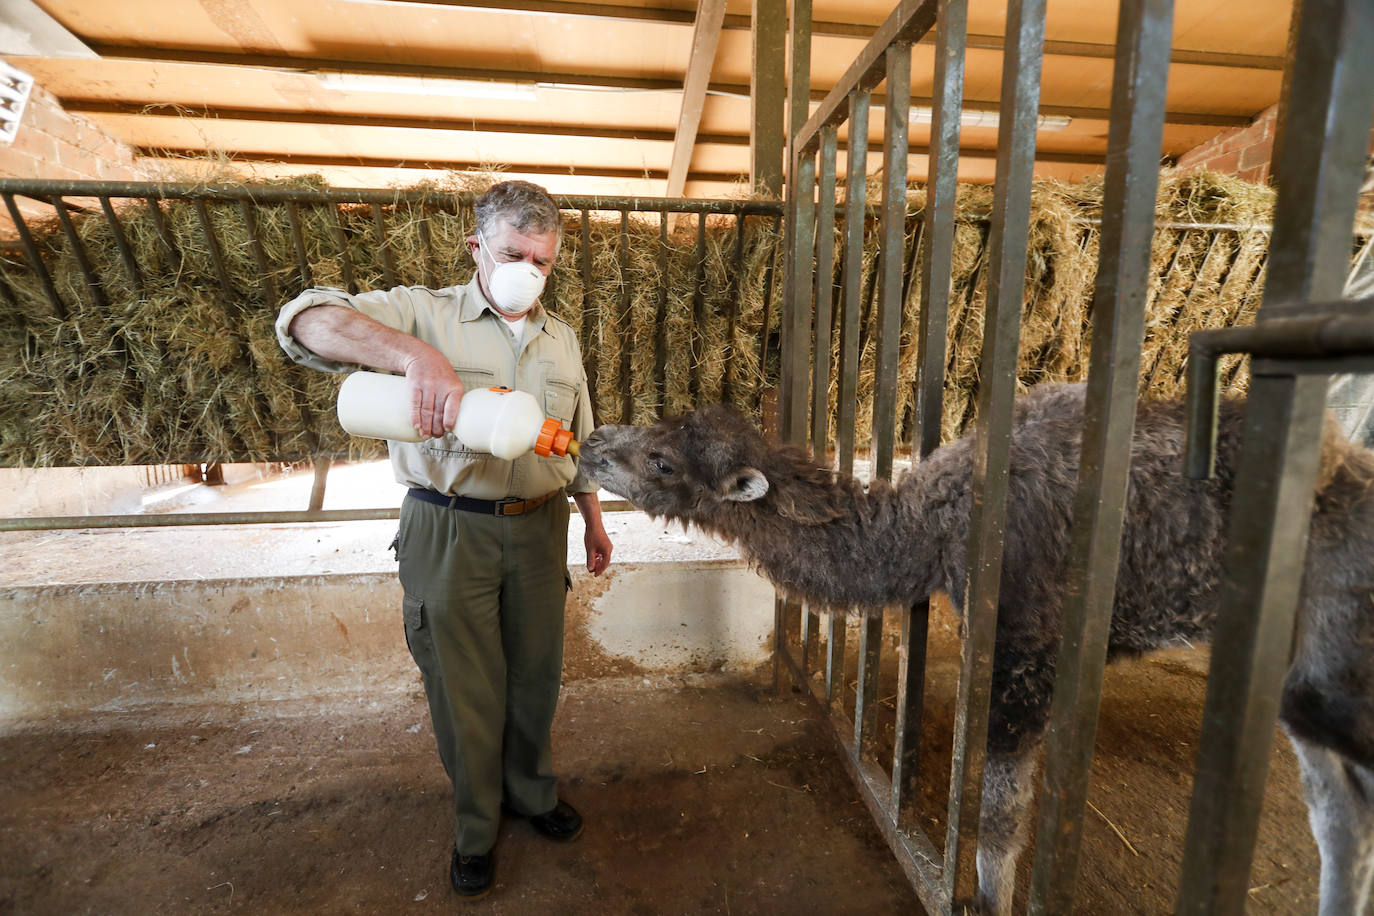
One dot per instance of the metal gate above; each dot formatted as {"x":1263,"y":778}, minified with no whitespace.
{"x":1302,"y":336}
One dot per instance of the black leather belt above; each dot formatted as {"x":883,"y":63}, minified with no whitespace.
{"x":507,"y":506}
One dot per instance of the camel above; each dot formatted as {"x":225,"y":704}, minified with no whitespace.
{"x":847,"y":545}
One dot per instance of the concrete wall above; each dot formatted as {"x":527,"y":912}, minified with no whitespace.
{"x":78,"y":648}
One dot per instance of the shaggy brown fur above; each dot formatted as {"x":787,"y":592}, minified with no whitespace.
{"x":839,"y":543}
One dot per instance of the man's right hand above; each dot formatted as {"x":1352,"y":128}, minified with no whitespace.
{"x":435,"y":391}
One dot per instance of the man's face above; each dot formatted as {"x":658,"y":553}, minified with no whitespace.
{"x":505,"y":243}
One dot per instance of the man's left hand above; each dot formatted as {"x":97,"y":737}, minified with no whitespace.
{"x":598,"y":550}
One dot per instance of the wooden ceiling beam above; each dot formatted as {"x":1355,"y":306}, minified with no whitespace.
{"x":740,"y":22}
{"x":305,"y":66}
{"x":335,"y":120}
{"x":705,"y":38}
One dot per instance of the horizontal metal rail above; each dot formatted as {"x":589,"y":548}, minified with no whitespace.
{"x":270,"y":194}
{"x":183,"y":519}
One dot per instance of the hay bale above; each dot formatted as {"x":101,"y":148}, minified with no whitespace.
{"x":180,"y":364}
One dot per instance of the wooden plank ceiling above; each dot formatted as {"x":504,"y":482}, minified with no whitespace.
{"x":594,"y":91}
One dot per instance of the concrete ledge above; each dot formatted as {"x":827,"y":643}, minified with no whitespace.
{"x":70,"y":648}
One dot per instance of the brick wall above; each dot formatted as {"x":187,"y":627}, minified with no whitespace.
{"x":1245,"y":152}
{"x":53,"y":144}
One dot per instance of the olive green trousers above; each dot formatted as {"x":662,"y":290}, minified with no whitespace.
{"x":484,"y":599}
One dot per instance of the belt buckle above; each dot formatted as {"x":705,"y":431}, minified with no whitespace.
{"x":510,"y":506}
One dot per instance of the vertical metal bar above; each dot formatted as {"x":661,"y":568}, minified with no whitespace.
{"x":661,"y":319}
{"x":250,"y":221}
{"x":163,"y":232}
{"x":627,"y":405}
{"x":866,"y":690}
{"x":341,"y":240}
{"x":293,"y":215}
{"x":384,"y":246}
{"x":1135,"y":135}
{"x":1010,"y":232}
{"x":1324,"y":124}
{"x":855,"y":201}
{"x":767,"y":307}
{"x":893,"y":228}
{"x":936,"y":260}
{"x":836,"y":633}
{"x":796,"y":306}
{"x":767,"y":96}
{"x":317,"y":484}
{"x":35,"y":261}
{"x":590,"y":324}
{"x":727,"y":387}
{"x":126,"y":251}
{"x":697,"y":349}
{"x":808,"y":636}
{"x":212,"y":243}
{"x":824,"y":294}
{"x":78,"y":249}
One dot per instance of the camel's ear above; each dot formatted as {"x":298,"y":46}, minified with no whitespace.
{"x":744,"y":485}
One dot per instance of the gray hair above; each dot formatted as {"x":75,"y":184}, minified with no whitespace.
{"x":525,"y":205}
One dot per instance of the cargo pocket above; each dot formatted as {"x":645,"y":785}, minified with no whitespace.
{"x":414,"y":609}
{"x":567,"y":580}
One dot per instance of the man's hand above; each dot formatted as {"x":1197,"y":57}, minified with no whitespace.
{"x":597,"y":541}
{"x":435,"y":391}
{"x":598,"y":550}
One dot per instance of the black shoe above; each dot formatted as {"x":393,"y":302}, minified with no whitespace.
{"x":563,"y":823}
{"x":471,"y":876}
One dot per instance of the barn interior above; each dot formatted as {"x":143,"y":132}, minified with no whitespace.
{"x":224,"y":717}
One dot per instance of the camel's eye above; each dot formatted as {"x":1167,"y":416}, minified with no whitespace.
{"x":659,"y":466}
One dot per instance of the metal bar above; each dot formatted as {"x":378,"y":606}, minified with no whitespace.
{"x":293,"y":215}
{"x":317,"y":484}
{"x":866,"y":691}
{"x":59,"y":309}
{"x":796,"y":314}
{"x":78,"y":250}
{"x":697,"y":341}
{"x":627,"y":405}
{"x":893,"y":248}
{"x":732,"y":283}
{"x":68,"y":522}
{"x":661,"y":320}
{"x":856,"y":189}
{"x":1318,"y":155}
{"x":824,"y":295}
{"x":341,"y":240}
{"x":936,"y":251}
{"x":274,"y":194}
{"x":836,"y":633}
{"x":912,"y":849}
{"x":384,"y":245}
{"x":589,"y":324}
{"x":767,"y":306}
{"x":1005,"y":289}
{"x":126,"y":251}
{"x":1144,"y":33}
{"x":250,"y":221}
{"x":163,"y":232}
{"x":767,"y":95}
{"x":809,"y":629}
{"x":212,"y":243}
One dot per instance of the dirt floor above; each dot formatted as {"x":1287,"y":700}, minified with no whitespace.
{"x":701,"y":795}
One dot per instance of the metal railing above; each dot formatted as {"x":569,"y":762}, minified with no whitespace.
{"x":1319,"y":160}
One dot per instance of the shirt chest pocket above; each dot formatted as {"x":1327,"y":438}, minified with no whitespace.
{"x":448,"y":446}
{"x":560,"y":400}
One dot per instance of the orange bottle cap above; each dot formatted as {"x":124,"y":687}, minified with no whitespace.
{"x":552,"y":440}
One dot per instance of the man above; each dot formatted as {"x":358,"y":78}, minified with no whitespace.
{"x":482,"y":543}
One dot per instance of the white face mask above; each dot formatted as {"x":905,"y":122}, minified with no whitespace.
{"x":514,"y":285}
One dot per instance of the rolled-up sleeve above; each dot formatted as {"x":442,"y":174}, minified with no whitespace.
{"x":582,"y":425}
{"x":393,"y":308}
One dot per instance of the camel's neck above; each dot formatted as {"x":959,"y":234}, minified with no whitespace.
{"x":837,"y":543}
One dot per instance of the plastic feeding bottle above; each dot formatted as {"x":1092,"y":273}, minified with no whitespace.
{"x":500,"y":421}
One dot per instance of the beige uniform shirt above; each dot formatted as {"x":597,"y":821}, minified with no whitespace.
{"x":462,"y":325}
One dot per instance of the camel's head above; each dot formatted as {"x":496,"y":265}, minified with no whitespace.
{"x":691,"y":468}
